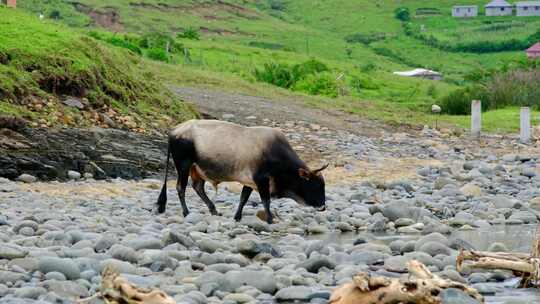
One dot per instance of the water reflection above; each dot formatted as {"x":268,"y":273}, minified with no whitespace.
{"x":517,"y":238}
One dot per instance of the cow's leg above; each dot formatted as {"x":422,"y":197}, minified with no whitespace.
{"x":246,"y":192}
{"x":198,"y":185}
{"x":263,"y":185}
{"x":181,"y":185}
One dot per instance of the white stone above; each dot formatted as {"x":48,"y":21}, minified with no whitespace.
{"x":73,"y":174}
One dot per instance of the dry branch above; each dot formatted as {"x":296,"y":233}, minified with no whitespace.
{"x":522,"y":264}
{"x":117,"y":290}
{"x":420,"y":287}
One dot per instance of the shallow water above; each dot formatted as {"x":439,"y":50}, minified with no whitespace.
{"x":517,"y":238}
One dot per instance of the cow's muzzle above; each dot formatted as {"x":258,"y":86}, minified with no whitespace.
{"x":321,"y":209}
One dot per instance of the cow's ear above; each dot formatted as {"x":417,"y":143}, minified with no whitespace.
{"x":305,"y":174}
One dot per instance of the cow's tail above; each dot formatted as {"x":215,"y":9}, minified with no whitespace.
{"x":162,"y":200}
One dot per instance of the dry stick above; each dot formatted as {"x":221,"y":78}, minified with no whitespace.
{"x":117,"y":290}
{"x":525,"y":265}
{"x":421,"y":287}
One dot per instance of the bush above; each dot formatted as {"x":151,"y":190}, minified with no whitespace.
{"x":120,"y":42}
{"x":277,"y":5}
{"x":318,"y":84}
{"x":189,"y":33}
{"x":365,"y":38}
{"x":362,"y":83}
{"x":458,"y":102}
{"x":157,"y":54}
{"x":368,"y":67}
{"x":275,"y":73}
{"x":309,"y":67}
{"x":160,"y":41}
{"x":402,"y":13}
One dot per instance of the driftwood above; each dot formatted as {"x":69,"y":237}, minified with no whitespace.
{"x":521,"y":264}
{"x":420,"y":287}
{"x":117,"y":290}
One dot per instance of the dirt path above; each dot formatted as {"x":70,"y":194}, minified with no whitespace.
{"x":251,"y":110}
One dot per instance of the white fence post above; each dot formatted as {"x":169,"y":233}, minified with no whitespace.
{"x":525,"y":125}
{"x":476,"y":118}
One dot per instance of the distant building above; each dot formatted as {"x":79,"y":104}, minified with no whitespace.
{"x":10,"y":3}
{"x":421,"y":73}
{"x":528,"y":8}
{"x":534,"y":51}
{"x":499,"y":8}
{"x":464,"y":11}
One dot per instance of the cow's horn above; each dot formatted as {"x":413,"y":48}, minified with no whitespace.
{"x":322,"y":168}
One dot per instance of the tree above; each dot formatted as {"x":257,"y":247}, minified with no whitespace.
{"x":402,"y":13}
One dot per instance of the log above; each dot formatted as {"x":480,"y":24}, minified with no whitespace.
{"x":117,"y":290}
{"x":524,"y":265}
{"x":420,"y":287}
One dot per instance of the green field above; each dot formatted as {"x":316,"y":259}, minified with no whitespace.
{"x":238,"y":36}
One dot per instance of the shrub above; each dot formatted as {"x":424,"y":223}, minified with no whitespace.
{"x":120,"y":42}
{"x":312,"y":66}
{"x":160,"y":41}
{"x":275,"y":73}
{"x":318,"y":84}
{"x":458,"y":102}
{"x":362,"y":83}
{"x":277,"y":5}
{"x":365,"y":38}
{"x":189,"y":33}
{"x":266,"y":45}
{"x":368,"y":67}
{"x":402,"y":13}
{"x":55,"y":14}
{"x":157,"y":54}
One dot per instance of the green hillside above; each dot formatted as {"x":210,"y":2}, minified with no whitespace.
{"x":44,"y":63}
{"x":361,"y":43}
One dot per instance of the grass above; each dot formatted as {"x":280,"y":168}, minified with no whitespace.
{"x":42,"y":62}
{"x":239,"y":35}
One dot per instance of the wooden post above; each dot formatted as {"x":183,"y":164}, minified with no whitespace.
{"x":476,"y":118}
{"x":525,"y":125}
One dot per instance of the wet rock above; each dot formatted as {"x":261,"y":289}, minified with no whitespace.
{"x":11,"y":251}
{"x":73,"y":175}
{"x":29,"y":292}
{"x":294,"y":293}
{"x":313,"y":264}
{"x":456,"y":296}
{"x":27,"y":178}
{"x":262,"y":280}
{"x":65,"y":266}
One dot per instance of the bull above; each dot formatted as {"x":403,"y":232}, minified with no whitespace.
{"x":259,"y":158}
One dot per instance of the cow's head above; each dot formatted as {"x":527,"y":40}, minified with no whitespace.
{"x":309,"y":189}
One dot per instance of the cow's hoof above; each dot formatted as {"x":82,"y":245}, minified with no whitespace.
{"x":237,"y":218}
{"x":215,"y":213}
{"x":185,"y":213}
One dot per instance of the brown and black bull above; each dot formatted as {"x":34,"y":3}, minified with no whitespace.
{"x":259,"y":158}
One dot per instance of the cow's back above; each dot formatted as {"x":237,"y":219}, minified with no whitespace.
{"x":227,"y":151}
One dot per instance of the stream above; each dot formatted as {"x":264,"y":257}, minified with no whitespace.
{"x":517,"y":238}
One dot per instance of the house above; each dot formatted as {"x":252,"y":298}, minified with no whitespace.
{"x":464,"y":11}
{"x":10,"y":3}
{"x":499,"y":8}
{"x":528,"y":8}
{"x":421,"y":73}
{"x":534,"y":51}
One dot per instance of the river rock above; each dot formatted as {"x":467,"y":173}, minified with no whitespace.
{"x":64,"y":266}
{"x":11,"y":251}
{"x":313,"y":264}
{"x":456,"y":296}
{"x":26,"y":178}
{"x":262,"y":280}
{"x":294,"y":293}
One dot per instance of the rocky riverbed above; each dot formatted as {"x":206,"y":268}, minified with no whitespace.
{"x":57,"y":237}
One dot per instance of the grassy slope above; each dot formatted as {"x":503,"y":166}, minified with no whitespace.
{"x":316,"y":28}
{"x":42,"y":62}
